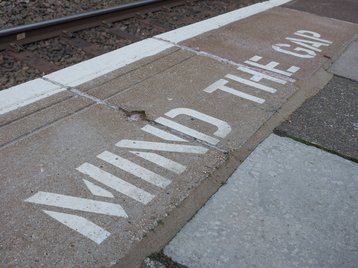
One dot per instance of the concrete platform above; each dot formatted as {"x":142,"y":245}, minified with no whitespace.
{"x":103,"y":162}
{"x":287,"y":205}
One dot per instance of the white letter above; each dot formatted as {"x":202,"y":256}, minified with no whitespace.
{"x":312,"y":35}
{"x":271,"y":66}
{"x":221,"y":84}
{"x":308,"y":54}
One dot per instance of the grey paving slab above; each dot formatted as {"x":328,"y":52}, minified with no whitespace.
{"x":207,"y":86}
{"x":343,"y":9}
{"x":286,"y":36}
{"x":287,"y":205}
{"x":329,"y":119}
{"x":76,"y":194}
{"x":347,"y":64}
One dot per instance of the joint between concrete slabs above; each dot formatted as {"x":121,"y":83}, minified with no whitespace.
{"x":227,"y":61}
{"x":95,"y":100}
{"x":81,"y":94}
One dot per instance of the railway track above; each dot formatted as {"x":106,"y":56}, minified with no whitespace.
{"x":30,"y":33}
{"x":32,"y":50}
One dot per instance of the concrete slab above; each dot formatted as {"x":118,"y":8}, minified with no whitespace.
{"x":343,"y":9}
{"x":286,"y":36}
{"x":347,"y":64}
{"x":288,"y":205}
{"x":37,"y":115}
{"x":208,"y":87}
{"x":125,"y":69}
{"x":79,"y":193}
{"x":124,"y":78}
{"x":329,"y":119}
{"x":36,"y":106}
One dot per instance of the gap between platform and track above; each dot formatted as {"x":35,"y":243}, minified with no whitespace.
{"x":71,"y":77}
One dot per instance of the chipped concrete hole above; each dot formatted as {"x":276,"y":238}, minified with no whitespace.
{"x":136,"y":116}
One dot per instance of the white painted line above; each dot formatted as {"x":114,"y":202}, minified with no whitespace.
{"x":158,"y":146}
{"x":161,"y":161}
{"x":77,"y":203}
{"x":26,"y":93}
{"x":97,"y":190}
{"x":134,"y":169}
{"x":81,"y":225}
{"x":293,"y":69}
{"x":88,"y":70}
{"x":204,"y":26}
{"x":188,"y":131}
{"x":115,"y":183}
{"x":161,"y":134}
{"x":278,"y":2}
{"x":190,"y":31}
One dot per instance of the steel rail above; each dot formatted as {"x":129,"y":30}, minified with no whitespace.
{"x":51,"y":28}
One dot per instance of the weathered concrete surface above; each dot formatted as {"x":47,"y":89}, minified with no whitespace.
{"x":343,"y":9}
{"x":50,"y":161}
{"x":258,"y":34}
{"x":184,"y":86}
{"x":288,"y":205}
{"x":329,"y":119}
{"x":347,"y":64}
